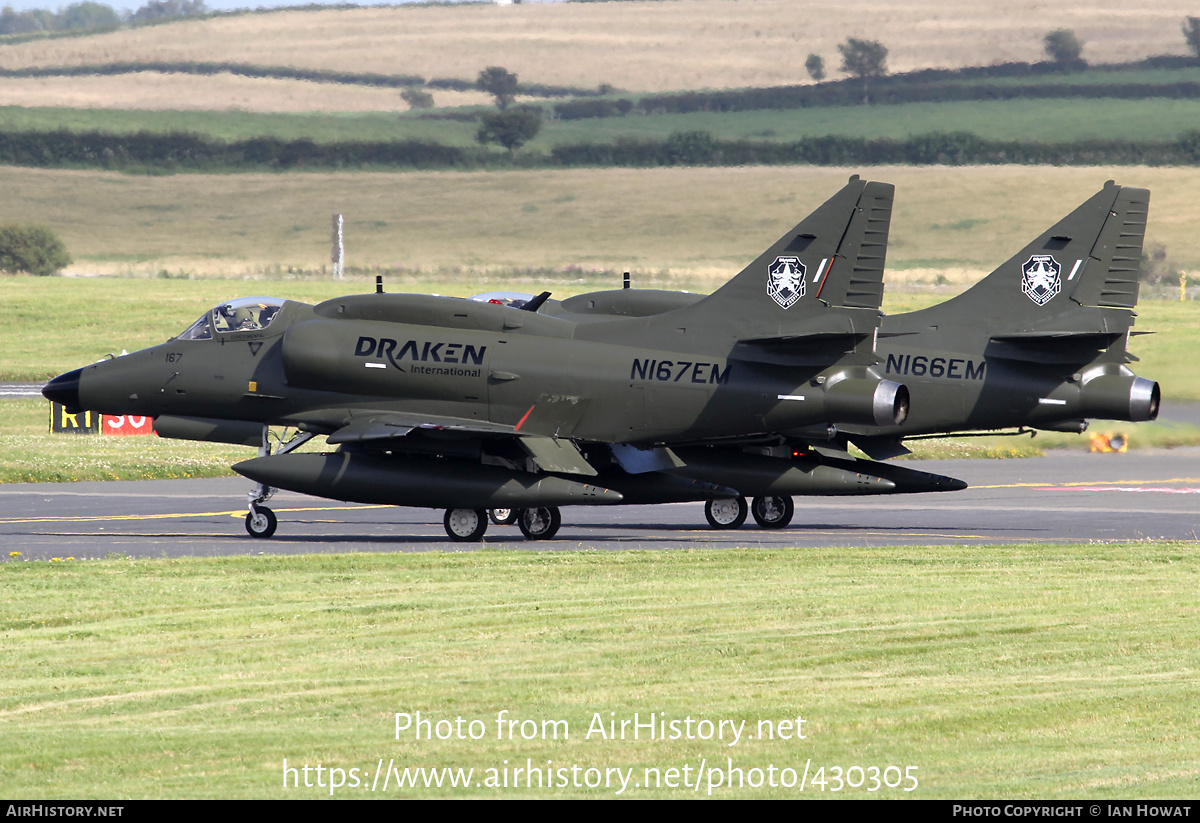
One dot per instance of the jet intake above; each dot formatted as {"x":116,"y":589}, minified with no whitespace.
{"x":1120,"y":397}
{"x":866,"y":401}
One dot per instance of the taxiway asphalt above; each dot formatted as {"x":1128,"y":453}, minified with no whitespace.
{"x":1065,"y":497}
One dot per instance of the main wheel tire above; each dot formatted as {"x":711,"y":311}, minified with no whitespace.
{"x":465,"y":525}
{"x":540,"y":523}
{"x":502,"y":517}
{"x":726,"y":514}
{"x":261,"y":522}
{"x":773,"y":511}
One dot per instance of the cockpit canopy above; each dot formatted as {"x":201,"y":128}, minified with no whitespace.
{"x":244,"y":314}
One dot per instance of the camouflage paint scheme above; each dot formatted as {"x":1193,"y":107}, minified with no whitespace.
{"x":650,"y":396}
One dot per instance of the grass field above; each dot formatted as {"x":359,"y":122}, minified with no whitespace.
{"x":1049,"y":121}
{"x":1033,"y":671}
{"x":651,"y":46}
{"x":694,"y":227}
{"x":222,"y":92}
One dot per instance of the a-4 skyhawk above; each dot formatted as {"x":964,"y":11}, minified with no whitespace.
{"x":472,"y":405}
{"x":1040,"y":343}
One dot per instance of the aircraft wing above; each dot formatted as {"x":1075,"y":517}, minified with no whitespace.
{"x":374,"y":427}
{"x":350,"y":427}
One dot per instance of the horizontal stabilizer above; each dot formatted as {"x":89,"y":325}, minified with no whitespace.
{"x":1051,"y":347}
{"x":806,"y":350}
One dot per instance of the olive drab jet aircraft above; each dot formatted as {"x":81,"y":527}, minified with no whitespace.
{"x":1040,"y":343}
{"x":469,"y":405}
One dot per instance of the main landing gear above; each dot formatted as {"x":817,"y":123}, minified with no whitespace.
{"x":726,"y":514}
{"x":770,"y":512}
{"x":503,"y":517}
{"x":540,"y":523}
{"x":773,"y":511}
{"x":469,"y":525}
{"x":465,"y":525}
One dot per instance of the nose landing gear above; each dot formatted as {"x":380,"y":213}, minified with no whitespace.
{"x":261,"y":521}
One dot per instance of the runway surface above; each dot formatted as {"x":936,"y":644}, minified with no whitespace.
{"x":1069,"y":497}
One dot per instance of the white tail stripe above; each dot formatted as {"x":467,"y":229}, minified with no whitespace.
{"x":820,"y":270}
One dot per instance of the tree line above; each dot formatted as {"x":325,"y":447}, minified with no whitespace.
{"x":91,"y":16}
{"x":191,"y":152}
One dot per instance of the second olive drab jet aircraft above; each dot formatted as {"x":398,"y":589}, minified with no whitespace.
{"x":1040,"y":343}
{"x":463,"y":405}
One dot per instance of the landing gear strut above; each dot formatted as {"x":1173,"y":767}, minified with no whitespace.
{"x":261,"y":521}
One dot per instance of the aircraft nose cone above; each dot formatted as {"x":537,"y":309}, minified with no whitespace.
{"x":64,"y":390}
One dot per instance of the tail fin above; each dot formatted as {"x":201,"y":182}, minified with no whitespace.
{"x":1090,"y":258}
{"x":811,"y":297}
{"x":833,"y":257}
{"x":821,"y":282}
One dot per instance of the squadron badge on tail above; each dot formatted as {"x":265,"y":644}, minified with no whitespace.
{"x":1040,"y":279}
{"x":785,"y":285}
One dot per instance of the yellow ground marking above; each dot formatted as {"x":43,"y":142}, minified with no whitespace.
{"x":1090,"y":483}
{"x":236,"y":513}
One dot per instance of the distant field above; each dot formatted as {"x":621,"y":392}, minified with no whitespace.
{"x":1050,"y":121}
{"x":221,"y":92}
{"x":691,"y":228}
{"x":651,"y":46}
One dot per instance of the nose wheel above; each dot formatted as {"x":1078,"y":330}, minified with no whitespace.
{"x":261,"y":522}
